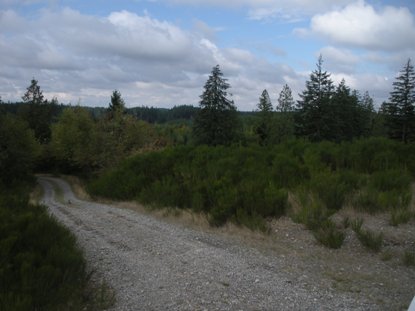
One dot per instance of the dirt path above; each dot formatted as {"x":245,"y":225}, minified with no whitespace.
{"x":155,"y":265}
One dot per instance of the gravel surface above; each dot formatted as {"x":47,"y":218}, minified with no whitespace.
{"x":152,"y":264}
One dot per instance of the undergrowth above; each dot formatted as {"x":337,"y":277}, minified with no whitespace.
{"x":249,"y":184}
{"x":41,"y":266}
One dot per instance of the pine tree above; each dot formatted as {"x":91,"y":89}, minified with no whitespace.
{"x":37,"y":112}
{"x":33,"y":94}
{"x":285,"y":100}
{"x":117,"y":103}
{"x":312,"y":117}
{"x":368,"y":113}
{"x":400,"y":110}
{"x":217,"y":121}
{"x":343,"y":114}
{"x":284,"y":121}
{"x":264,"y":127}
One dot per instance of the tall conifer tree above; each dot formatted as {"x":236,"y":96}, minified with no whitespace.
{"x":312,"y":117}
{"x":400,"y":110}
{"x":264,"y":127}
{"x":217,"y":121}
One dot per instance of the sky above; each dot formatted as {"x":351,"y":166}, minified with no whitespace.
{"x":160,"y":52}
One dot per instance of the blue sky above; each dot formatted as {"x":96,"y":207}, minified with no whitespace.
{"x":160,"y":52}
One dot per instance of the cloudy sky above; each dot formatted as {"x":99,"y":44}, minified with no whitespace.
{"x":160,"y":52}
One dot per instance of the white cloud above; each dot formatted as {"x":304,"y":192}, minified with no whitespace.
{"x":360,"y":25}
{"x":80,"y":57}
{"x":336,"y":59}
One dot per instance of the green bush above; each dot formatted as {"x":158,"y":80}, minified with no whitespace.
{"x":409,"y":258}
{"x":400,"y":216}
{"x":41,"y":267}
{"x":328,"y":235}
{"x":330,"y":189}
{"x":391,"y":180}
{"x":369,"y":239}
{"x":356,"y":224}
{"x":253,"y":182}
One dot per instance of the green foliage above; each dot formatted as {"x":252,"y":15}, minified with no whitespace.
{"x":328,"y":235}
{"x":239,"y":183}
{"x":38,"y":112}
{"x":385,"y":190}
{"x":312,"y":119}
{"x":217,"y":121}
{"x":228,"y":183}
{"x":41,"y":267}
{"x":369,"y":239}
{"x":400,"y":216}
{"x":326,"y":113}
{"x":18,"y":150}
{"x":409,"y":258}
{"x":356,"y":224}
{"x":332,"y":188}
{"x":264,"y":126}
{"x":117,"y":104}
{"x":79,"y":143}
{"x":400,"y":111}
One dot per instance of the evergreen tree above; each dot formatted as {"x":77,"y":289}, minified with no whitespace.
{"x":285,"y":100}
{"x":117,"y":104}
{"x":264,"y":127}
{"x":33,"y":94}
{"x":217,"y":122}
{"x":37,"y":112}
{"x":343,"y":114}
{"x":284,"y":120}
{"x":369,"y":114}
{"x":312,"y":117}
{"x":401,"y":107}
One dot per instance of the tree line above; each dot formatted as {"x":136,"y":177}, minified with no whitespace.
{"x":75,"y":138}
{"x":324,"y":112}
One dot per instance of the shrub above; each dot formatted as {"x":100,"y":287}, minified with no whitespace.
{"x":409,"y":258}
{"x":41,"y":266}
{"x":400,"y":216}
{"x":328,"y":235}
{"x":391,"y":180}
{"x":330,"y":189}
{"x":367,"y":200}
{"x":251,"y":221}
{"x":356,"y":224}
{"x":370,"y":240}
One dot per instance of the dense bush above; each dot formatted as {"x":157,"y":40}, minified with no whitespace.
{"x":247,"y":184}
{"x":41,"y":267}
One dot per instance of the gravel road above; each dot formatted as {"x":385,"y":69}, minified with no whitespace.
{"x":155,"y":265}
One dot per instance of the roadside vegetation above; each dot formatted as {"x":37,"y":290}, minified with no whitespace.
{"x":41,"y":265}
{"x":248,"y":184}
{"x":307,"y":159}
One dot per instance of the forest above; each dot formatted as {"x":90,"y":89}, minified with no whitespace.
{"x":307,"y":160}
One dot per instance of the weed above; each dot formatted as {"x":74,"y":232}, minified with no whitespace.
{"x":409,"y":258}
{"x":356,"y":224}
{"x":370,"y":240}
{"x":400,"y":216}
{"x":346,"y":222}
{"x":329,"y":235}
{"x":386,"y":255}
